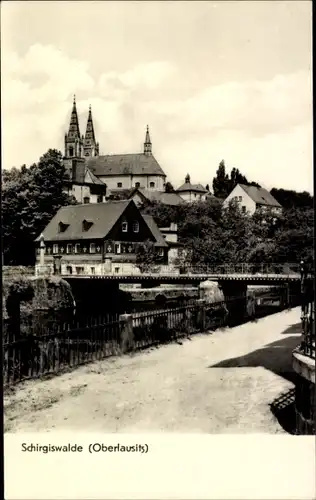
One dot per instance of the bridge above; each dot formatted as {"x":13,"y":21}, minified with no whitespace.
{"x":149,"y":279}
{"x":250,"y":274}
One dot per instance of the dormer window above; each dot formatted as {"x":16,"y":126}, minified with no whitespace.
{"x":86,"y":224}
{"x":124,"y":227}
{"x":135,"y":226}
{"x":62,"y":227}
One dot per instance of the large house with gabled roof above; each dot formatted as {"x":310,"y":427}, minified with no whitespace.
{"x":253,"y":199}
{"x":99,"y":238}
{"x":115,"y":172}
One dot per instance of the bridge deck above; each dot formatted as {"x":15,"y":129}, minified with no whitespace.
{"x":188,"y":278}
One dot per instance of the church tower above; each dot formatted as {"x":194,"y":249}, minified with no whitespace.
{"x":73,"y":141}
{"x":147,"y":144}
{"x":90,"y":146}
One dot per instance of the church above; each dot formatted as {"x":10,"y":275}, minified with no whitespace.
{"x":94,"y":178}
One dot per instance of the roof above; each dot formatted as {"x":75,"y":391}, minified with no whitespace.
{"x":160,"y":240}
{"x":187,"y":186}
{"x":83,"y":175}
{"x":119,"y":194}
{"x":260,"y":196}
{"x":159,"y":196}
{"x":103,"y":216}
{"x":126,"y":164}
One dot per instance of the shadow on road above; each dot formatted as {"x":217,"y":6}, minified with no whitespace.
{"x":295,"y":328}
{"x":283,"y":408}
{"x":276,"y":357}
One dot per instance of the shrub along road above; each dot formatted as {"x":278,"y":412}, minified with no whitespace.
{"x":221,"y":382}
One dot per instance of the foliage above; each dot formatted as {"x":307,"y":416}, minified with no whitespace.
{"x":30,"y":198}
{"x":169,"y":187}
{"x":292,"y":199}
{"x":211,"y":234}
{"x":223,"y":184}
{"x":146,"y":257}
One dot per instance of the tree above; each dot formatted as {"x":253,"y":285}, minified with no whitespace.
{"x":30,"y":198}
{"x":146,"y":257}
{"x":221,"y":182}
{"x":207,"y":187}
{"x":292,"y":199}
{"x":169,"y":187}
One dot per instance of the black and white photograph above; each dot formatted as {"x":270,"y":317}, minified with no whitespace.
{"x":157,"y":217}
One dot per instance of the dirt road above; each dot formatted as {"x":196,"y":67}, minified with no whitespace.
{"x":221,"y":382}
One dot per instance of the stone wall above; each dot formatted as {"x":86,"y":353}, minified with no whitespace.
{"x":305,"y":403}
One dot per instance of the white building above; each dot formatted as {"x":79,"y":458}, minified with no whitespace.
{"x":192,"y":192}
{"x":252,"y":199}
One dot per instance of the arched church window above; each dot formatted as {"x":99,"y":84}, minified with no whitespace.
{"x":71,"y":151}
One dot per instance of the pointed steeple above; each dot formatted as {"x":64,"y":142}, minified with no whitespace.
{"x":91,"y":147}
{"x":73,"y":140}
{"x":187,"y":179}
{"x":147,"y":143}
{"x":74,"y":131}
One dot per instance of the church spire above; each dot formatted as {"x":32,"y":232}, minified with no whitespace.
{"x":74,"y":130}
{"x":91,"y":147}
{"x":73,"y":141}
{"x":147,"y":143}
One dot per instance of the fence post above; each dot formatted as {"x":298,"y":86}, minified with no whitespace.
{"x":201,"y":316}
{"x":126,"y":332}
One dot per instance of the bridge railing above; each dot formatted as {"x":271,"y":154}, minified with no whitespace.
{"x":308,"y":314}
{"x":243,"y":269}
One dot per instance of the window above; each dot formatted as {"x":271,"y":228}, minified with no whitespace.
{"x":69,"y":248}
{"x":152,"y":184}
{"x":100,"y":198}
{"x":55,"y":248}
{"x":86,"y":225}
{"x":92,"y":270}
{"x":62,"y":227}
{"x":116,"y":270}
{"x":92,"y":247}
{"x":86,"y":199}
{"x":69,"y":270}
{"x":243,"y":209}
{"x":160,"y":252}
{"x":117,"y":248}
{"x":119,"y":184}
{"x":239,"y":198}
{"x":79,"y":270}
{"x":137,"y":184}
{"x":135,"y":227}
{"x":71,"y":151}
{"x":77,"y":248}
{"x":124,"y":227}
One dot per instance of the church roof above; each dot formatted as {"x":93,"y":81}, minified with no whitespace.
{"x":125,"y":164}
{"x":260,"y":196}
{"x":187,"y":186}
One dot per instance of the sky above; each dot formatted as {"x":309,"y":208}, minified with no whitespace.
{"x":213,"y":80}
